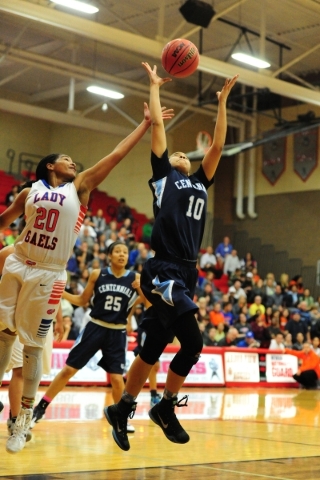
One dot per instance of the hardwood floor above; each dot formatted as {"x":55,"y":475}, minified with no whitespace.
{"x":236,"y":434}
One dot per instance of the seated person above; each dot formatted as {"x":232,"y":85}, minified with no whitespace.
{"x":248,"y":341}
{"x":230,"y":340}
{"x":242,"y":326}
{"x":308,"y":372}
{"x":208,"y":260}
{"x":298,"y":344}
{"x":277,"y":343}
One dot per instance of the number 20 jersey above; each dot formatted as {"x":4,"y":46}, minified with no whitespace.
{"x":180,"y":205}
{"x":53,"y":220}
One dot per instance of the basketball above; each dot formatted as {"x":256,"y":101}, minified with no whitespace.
{"x":180,"y":58}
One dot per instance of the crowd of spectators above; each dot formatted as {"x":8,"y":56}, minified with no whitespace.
{"x":236,"y":306}
{"x":253,"y":312}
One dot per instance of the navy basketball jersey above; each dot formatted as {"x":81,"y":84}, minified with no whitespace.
{"x":113,"y":296}
{"x":180,"y":205}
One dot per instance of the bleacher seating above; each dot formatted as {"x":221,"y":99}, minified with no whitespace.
{"x":109,"y":205}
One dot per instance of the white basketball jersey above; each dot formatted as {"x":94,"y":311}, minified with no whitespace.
{"x":53,"y":220}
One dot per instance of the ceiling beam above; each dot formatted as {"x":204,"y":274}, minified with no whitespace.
{"x":152,"y":48}
{"x":73,"y":120}
{"x":84,"y":74}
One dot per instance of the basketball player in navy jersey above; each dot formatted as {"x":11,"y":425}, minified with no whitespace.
{"x":114,"y":290}
{"x":168,"y":280}
{"x":34,"y":276}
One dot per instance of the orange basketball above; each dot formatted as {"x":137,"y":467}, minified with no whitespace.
{"x":180,"y":58}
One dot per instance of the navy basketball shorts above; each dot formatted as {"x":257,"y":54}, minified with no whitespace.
{"x":170,"y":287}
{"x":111,"y":342}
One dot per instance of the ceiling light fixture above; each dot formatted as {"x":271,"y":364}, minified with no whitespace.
{"x":105,"y":92}
{"x":76,"y":5}
{"x":250,"y":60}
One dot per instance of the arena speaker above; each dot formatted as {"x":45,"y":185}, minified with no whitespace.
{"x":197,"y":12}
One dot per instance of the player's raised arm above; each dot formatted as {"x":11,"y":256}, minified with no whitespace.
{"x":212,"y":157}
{"x":93,"y":176}
{"x":158,"y":135}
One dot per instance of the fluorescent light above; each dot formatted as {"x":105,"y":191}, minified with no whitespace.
{"x":255,"y":62}
{"x":104,"y":92}
{"x":80,"y":6}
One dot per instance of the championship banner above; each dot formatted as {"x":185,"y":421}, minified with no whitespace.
{"x":242,"y":367}
{"x":280,"y":368}
{"x":207,"y":371}
{"x":305,"y":159}
{"x":274,"y":159}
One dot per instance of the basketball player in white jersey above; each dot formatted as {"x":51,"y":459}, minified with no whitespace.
{"x":16,"y":360}
{"x":34,"y":276}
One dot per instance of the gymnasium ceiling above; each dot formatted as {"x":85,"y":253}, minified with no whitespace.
{"x":45,"y":48}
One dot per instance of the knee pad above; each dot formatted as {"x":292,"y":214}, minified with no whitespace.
{"x":32,"y":362}
{"x":183,"y":362}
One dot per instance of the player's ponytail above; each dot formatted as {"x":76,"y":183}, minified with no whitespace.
{"x":41,"y":170}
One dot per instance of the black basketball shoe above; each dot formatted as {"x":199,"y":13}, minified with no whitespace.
{"x":118,"y":416}
{"x":162,"y":414}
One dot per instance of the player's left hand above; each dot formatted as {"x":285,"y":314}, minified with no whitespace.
{"x":228,"y":84}
{"x":167,"y":113}
{"x":136,"y":283}
{"x":58,"y":331}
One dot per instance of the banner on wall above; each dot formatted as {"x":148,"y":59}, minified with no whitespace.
{"x":273,"y":159}
{"x":242,"y":367}
{"x":280,"y":368}
{"x":305,"y":157}
{"x":208,"y":370}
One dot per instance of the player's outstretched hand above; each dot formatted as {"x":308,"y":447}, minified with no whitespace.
{"x":153,"y":76}
{"x":228,"y":84}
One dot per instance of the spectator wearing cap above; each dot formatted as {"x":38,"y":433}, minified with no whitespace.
{"x":295,"y":325}
{"x":304,"y":312}
{"x":248,"y":341}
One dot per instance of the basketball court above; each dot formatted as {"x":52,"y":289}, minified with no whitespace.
{"x":236,"y":433}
